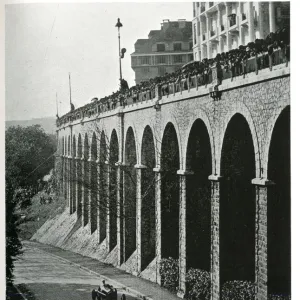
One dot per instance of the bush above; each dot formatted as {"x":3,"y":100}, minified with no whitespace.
{"x":279,"y":297}
{"x":169,"y":271}
{"x":198,"y":284}
{"x":238,"y":289}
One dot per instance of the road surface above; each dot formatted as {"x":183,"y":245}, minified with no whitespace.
{"x":43,"y":276}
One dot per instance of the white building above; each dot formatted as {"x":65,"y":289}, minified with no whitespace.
{"x":222,"y":26}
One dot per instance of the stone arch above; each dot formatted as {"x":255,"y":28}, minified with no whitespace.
{"x":198,"y":197}
{"x":129,"y":208}
{"x":279,"y":207}
{"x":201,"y":115}
{"x":86,"y":181}
{"x":267,"y":142}
{"x":103,"y":188}
{"x":158,"y":143}
{"x":237,"y":203}
{"x":170,"y":164}
{"x":73,"y":175}
{"x":148,"y":235}
{"x":94,"y":184}
{"x":79,"y":176}
{"x":62,"y":146}
{"x":113,"y":188}
{"x":241,"y":109}
{"x":136,"y":138}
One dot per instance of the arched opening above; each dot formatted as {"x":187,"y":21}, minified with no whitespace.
{"x":74,"y":174}
{"x":113,"y":189}
{"x":69,"y":165}
{"x":148,"y":235}
{"x":237,"y":203}
{"x":279,"y":208}
{"x":62,"y":166}
{"x":86,"y":181}
{"x":94,"y":185}
{"x":198,"y":196}
{"x":170,"y":194}
{"x":79,"y":177}
{"x":103,"y":189}
{"x":129,"y":209}
{"x":65,"y":169}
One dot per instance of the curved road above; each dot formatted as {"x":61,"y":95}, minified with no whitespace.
{"x":43,"y":276}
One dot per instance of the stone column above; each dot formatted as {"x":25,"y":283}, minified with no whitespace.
{"x":251,"y":21}
{"x":76,"y":166}
{"x":157,"y":171}
{"x":182,"y":232}
{"x":272,"y":16}
{"x":107,"y":205}
{"x":69,"y":193}
{"x":119,"y":212}
{"x":215,"y":236}
{"x":98,"y":200}
{"x":90,"y":166}
{"x":139,"y":170}
{"x":262,"y":185}
{"x":83,"y":187}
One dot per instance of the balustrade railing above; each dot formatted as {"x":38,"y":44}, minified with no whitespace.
{"x":215,"y":76}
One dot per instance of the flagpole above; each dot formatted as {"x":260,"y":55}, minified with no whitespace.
{"x":56,"y":106}
{"x":119,"y":24}
{"x":70,"y":90}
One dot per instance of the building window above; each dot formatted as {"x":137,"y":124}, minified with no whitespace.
{"x":133,"y":61}
{"x":145,"y":70}
{"x":162,"y":71}
{"x":177,"y":46}
{"x":202,"y":9}
{"x":191,"y":45}
{"x":145,"y":60}
{"x":161,"y":59}
{"x":177,"y":59}
{"x":190,"y":57}
{"x":195,"y":33}
{"x":161,"y":47}
{"x":211,"y":4}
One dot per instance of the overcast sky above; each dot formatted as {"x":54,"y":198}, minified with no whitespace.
{"x":44,"y":42}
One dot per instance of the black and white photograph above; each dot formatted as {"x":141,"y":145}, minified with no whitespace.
{"x":147,"y":151}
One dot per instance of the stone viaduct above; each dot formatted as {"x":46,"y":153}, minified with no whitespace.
{"x":203,"y":180}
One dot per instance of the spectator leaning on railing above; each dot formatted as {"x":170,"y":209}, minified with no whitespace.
{"x":234,"y":60}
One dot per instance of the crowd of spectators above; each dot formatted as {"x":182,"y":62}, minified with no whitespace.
{"x":233,"y":61}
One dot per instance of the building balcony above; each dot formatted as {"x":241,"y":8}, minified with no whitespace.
{"x":233,"y":24}
{"x":244,"y":21}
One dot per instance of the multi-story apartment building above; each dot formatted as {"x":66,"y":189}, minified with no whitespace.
{"x":164,"y":51}
{"x":222,"y":26}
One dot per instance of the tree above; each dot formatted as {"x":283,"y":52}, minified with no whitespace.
{"x":29,"y":156}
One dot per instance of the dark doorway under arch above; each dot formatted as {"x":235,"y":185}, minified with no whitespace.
{"x":170,"y":194}
{"x":279,"y":208}
{"x":94,"y":185}
{"x":74,"y":175}
{"x":237,"y":203}
{"x":198,"y":205}
{"x":148,"y":199}
{"x":113,"y":189}
{"x":79,"y":177}
{"x":103,"y":189}
{"x":129,"y":209}
{"x":86,"y":181}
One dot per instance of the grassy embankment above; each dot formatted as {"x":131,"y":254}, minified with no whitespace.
{"x":37,"y":214}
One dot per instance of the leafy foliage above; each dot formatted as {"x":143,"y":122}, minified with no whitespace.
{"x":279,"y":297}
{"x":13,"y":244}
{"x":28,"y":157}
{"x":238,"y":289}
{"x":198,"y":284}
{"x":29,"y":153}
{"x":169,"y":271}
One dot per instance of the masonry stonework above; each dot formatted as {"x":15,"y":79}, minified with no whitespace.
{"x":259,"y":99}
